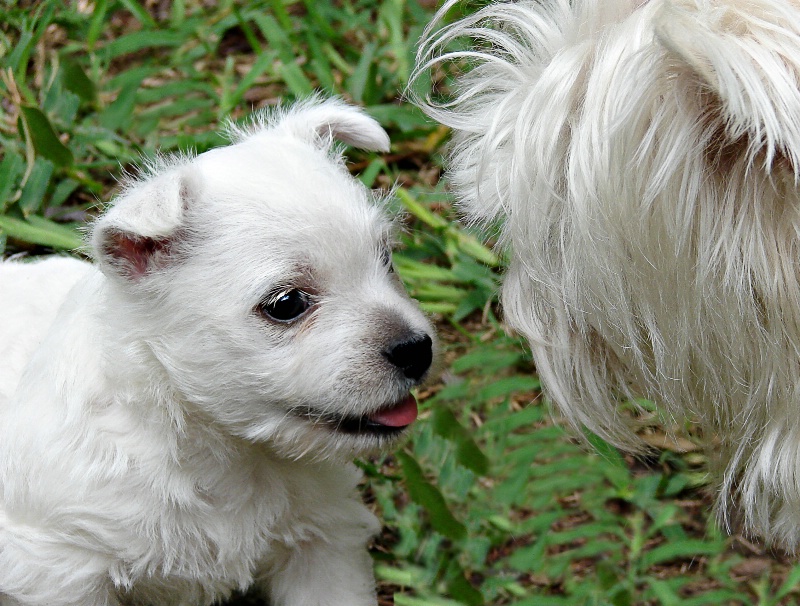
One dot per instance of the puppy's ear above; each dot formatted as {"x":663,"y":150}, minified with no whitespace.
{"x":138,"y":233}
{"x":321,"y":123}
{"x":747,"y":55}
{"x":333,"y":120}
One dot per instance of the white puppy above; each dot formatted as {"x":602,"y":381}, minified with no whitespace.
{"x":643,"y":159}
{"x":176,"y":422}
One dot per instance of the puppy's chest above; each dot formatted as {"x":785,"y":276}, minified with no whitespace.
{"x":198,"y":557}
{"x":220,"y":533}
{"x":215,"y":531}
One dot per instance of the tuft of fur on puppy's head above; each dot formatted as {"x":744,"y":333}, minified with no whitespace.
{"x":152,"y":206}
{"x":317,"y":122}
{"x":643,"y":159}
{"x":257,"y":279}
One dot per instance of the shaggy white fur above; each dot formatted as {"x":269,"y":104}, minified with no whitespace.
{"x":176,"y":421}
{"x":643,"y":160}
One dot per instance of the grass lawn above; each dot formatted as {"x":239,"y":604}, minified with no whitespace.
{"x":490,"y":501}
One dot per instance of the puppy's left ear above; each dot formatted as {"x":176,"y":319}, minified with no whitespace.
{"x":138,"y":234}
{"x":332,"y":120}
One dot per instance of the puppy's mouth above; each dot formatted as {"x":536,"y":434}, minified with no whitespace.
{"x":388,"y":420}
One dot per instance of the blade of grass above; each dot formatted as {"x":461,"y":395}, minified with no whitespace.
{"x":44,"y":138}
{"x":97,"y":23}
{"x":11,"y":169}
{"x":44,"y":234}
{"x":141,"y":15}
{"x":33,"y":192}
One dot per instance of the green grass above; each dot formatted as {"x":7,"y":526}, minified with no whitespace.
{"x":490,"y":501}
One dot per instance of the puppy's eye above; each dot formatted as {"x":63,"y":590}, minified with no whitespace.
{"x":287,"y":307}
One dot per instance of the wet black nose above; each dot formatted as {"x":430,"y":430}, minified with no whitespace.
{"x":413,"y":356}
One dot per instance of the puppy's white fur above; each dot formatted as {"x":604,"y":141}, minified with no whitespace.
{"x":162,"y":441}
{"x":643,"y":159}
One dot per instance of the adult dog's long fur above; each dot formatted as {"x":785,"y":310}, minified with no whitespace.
{"x":643,"y":160}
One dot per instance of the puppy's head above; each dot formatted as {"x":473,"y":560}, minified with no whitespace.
{"x":258,"y":277}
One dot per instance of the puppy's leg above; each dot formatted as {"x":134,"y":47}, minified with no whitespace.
{"x":52,"y":594}
{"x":334,"y":569}
{"x":322,"y":574}
{"x":41,"y":571}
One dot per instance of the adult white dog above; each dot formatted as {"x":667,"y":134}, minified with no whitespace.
{"x":643,"y":159}
{"x":175,"y":421}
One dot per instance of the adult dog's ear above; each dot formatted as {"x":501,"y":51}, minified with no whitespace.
{"x":747,"y":58}
{"x":138,"y":233}
{"x":320,"y":122}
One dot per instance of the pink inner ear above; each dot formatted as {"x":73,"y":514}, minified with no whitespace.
{"x":134,"y":255}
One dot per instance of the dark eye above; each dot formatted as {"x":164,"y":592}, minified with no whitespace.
{"x":386,"y":257}
{"x":287,"y":307}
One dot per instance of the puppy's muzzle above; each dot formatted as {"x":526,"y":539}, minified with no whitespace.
{"x":413,"y":356}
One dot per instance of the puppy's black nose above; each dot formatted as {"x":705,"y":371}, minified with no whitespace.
{"x":413,"y":356}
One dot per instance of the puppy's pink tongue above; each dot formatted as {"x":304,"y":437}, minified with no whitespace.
{"x":401,"y":414}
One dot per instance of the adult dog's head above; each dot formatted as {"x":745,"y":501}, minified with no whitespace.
{"x":643,"y":160}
